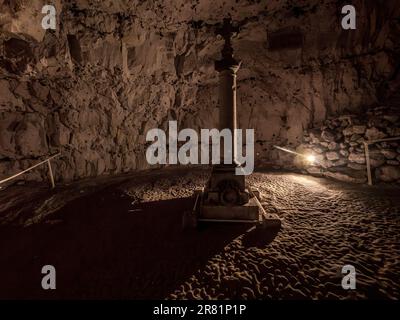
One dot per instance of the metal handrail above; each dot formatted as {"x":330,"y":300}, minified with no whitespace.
{"x":35,"y":166}
{"x":366,"y":147}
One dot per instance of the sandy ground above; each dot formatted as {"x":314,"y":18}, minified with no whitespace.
{"x":122,"y":238}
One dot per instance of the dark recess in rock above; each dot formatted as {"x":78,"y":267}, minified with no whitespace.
{"x":285,"y":39}
{"x":19,"y":53}
{"x":75,"y":48}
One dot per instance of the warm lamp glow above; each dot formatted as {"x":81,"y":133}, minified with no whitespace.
{"x":310,"y":158}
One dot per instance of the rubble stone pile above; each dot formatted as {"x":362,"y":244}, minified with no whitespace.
{"x":338,"y":147}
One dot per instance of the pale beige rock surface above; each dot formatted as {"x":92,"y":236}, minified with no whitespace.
{"x":114,"y":69}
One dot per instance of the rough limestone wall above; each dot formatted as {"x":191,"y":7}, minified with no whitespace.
{"x":114,"y":69}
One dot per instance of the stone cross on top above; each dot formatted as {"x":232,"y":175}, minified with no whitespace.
{"x":227,"y":31}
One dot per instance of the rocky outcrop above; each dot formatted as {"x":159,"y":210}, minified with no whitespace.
{"x":339,"y":147}
{"x":114,"y":69}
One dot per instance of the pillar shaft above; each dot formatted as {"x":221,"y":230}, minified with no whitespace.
{"x":227,"y":106}
{"x":227,"y":100}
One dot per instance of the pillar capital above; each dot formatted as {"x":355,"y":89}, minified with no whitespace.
{"x":227,"y":64}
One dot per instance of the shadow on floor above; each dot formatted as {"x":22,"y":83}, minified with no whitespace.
{"x":103,"y":246}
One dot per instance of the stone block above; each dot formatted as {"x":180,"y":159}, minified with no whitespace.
{"x":388,"y":173}
{"x":332,"y":155}
{"x":357,"y":158}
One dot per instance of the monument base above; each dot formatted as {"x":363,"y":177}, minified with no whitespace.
{"x":247,"y":212}
{"x":252,"y":212}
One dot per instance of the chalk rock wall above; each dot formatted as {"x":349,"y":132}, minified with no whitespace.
{"x":112,"y":70}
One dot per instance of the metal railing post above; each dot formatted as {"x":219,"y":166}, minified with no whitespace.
{"x":366,"y":146}
{"x":35,"y":166}
{"x":53,"y":185}
{"x":367,"y":158}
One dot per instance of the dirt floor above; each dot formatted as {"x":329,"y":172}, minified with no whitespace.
{"x":122,"y":238}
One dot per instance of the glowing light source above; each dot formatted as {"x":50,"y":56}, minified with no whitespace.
{"x":310,"y":158}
